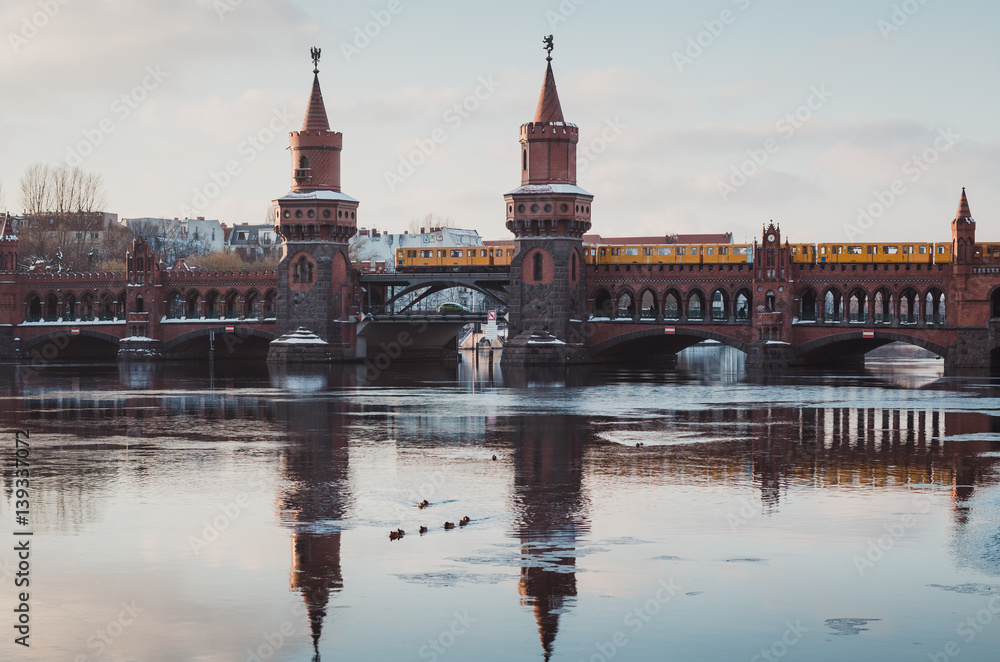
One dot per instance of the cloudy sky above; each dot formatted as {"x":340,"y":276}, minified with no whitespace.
{"x":886,"y":106}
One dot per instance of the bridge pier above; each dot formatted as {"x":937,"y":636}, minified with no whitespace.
{"x":769,"y":355}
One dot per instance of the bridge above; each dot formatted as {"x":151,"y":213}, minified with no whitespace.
{"x":563,"y":304}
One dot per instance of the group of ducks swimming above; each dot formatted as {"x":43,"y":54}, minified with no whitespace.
{"x":399,"y":533}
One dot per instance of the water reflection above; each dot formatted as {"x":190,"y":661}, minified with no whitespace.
{"x":110,"y":432}
{"x":550,"y":514}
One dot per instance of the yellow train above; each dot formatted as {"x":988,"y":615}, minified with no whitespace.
{"x":669,"y":254}
{"x":499,"y":254}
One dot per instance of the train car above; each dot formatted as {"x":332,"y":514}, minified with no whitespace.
{"x":430,"y":258}
{"x":912,"y":253}
{"x":987,"y":252}
{"x":942,"y":253}
{"x":727,"y":254}
{"x":803,"y":253}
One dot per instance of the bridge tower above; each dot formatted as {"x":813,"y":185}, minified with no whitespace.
{"x":548,"y":215}
{"x":772,"y":301}
{"x":963,"y":236}
{"x":316,"y":220}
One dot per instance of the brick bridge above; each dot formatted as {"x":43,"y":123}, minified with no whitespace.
{"x":562,"y":307}
{"x":147,"y":311}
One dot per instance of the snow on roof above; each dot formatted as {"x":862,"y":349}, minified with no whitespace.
{"x":549,"y":188}
{"x":293,"y":196}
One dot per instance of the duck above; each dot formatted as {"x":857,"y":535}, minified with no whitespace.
{"x":423,"y":529}
{"x":640,"y":445}
{"x":400,"y":533}
{"x":449,"y":525}
{"x":423,"y":504}
{"x":494,"y":458}
{"x":464,"y":521}
{"x":394,"y":535}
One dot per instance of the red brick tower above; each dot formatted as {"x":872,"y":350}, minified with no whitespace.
{"x":963,"y":234}
{"x":548,"y":215}
{"x":316,"y":220}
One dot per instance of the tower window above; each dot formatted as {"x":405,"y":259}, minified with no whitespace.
{"x":524,"y":160}
{"x":303,"y":163}
{"x":538,"y":267}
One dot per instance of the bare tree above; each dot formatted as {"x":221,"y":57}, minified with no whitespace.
{"x":35,"y":196}
{"x":429,"y":221}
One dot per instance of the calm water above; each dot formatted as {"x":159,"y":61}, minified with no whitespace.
{"x":238,"y":514}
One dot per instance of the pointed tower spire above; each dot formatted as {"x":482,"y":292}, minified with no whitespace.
{"x":964,"y":213}
{"x":316,"y":118}
{"x":549,"y":109}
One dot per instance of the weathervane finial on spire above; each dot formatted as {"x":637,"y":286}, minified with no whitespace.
{"x":315,"y":58}
{"x":549,"y":46}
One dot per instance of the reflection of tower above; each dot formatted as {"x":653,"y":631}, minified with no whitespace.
{"x":315,"y":466}
{"x":548,"y":454}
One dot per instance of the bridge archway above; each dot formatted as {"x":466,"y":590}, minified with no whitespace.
{"x":244,"y":343}
{"x":602,"y":303}
{"x":995,"y":302}
{"x":807,"y":304}
{"x":744,"y":304}
{"x":695,"y":305}
{"x":833,"y":305}
{"x":639,"y":345}
{"x":672,"y":305}
{"x":61,"y":345}
{"x":625,"y":304}
{"x":720,"y":305}
{"x":648,"y":305}
{"x":840,"y":347}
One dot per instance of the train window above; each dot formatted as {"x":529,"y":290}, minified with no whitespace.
{"x":631,"y":251}
{"x":509,"y":251}
{"x":482,"y":253}
{"x":694,"y":251}
{"x":854,"y":250}
{"x":940,"y":250}
{"x":604,"y":251}
{"x":907,"y":250}
{"x":873,"y":250}
{"x":822,"y":250}
{"x":890,"y":250}
{"x":923,"y":250}
{"x":426,"y":253}
{"x":709,"y":251}
{"x":663,"y":251}
{"x":743,"y":250}
{"x":647,"y":251}
{"x":682,"y":251}
{"x":724,"y":251}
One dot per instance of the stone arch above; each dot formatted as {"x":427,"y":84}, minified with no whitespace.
{"x":86,"y":311}
{"x":33,"y":302}
{"x":854,"y":342}
{"x":882,"y":306}
{"x":59,"y":340}
{"x":719,"y":305}
{"x":673,"y":307}
{"x":227,"y":345}
{"x":694,"y":303}
{"x":192,"y":304}
{"x":833,"y":305}
{"x":624,"y":303}
{"x":269,"y":307}
{"x":648,"y":304}
{"x":934,"y":306}
{"x":808,"y":302}
{"x":231,"y":304}
{"x":212,"y":298}
{"x":744,"y":304}
{"x":252,"y":304}
{"x":602,"y":303}
{"x":683,"y":338}
{"x":857,"y":305}
{"x":70,"y":311}
{"x":909,"y":306}
{"x":174,"y":303}
{"x":50,"y":307}
{"x":105,"y":305}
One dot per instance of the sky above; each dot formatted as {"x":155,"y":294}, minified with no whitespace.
{"x":848,"y":121}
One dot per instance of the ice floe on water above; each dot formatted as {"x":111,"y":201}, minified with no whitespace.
{"x":661,"y":438}
{"x":849,"y":626}
{"x":970,"y":589}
